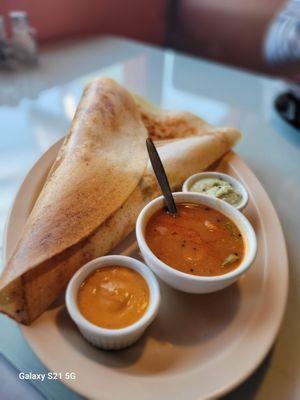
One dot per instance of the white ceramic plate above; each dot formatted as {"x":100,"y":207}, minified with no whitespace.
{"x":200,"y":346}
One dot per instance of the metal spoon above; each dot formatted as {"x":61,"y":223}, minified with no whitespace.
{"x":161,"y":176}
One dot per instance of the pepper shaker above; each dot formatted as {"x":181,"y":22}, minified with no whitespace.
{"x":6,"y":52}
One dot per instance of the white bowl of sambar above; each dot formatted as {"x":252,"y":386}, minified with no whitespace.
{"x":206,"y":247}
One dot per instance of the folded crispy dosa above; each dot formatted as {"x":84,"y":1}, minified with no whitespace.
{"x":96,"y":188}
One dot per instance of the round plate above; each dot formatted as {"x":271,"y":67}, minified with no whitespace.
{"x":200,"y":346}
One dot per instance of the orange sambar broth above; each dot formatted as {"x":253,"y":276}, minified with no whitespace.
{"x":197,"y":241}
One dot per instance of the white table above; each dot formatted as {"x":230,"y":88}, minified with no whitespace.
{"x":36,"y":107}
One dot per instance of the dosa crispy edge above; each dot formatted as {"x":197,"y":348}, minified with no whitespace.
{"x":96,"y":188}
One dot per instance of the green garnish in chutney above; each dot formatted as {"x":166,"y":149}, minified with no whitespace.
{"x":218,"y":188}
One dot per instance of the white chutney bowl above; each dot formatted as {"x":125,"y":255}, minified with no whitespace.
{"x":237,"y":185}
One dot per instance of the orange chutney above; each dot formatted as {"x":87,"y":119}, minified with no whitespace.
{"x":198,"y":240}
{"x":113,"y":297}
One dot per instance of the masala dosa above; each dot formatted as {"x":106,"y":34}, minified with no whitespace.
{"x":96,"y":188}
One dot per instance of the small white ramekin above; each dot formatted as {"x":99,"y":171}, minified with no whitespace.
{"x":187,"y":282}
{"x":186,"y":187}
{"x":112,"y":339}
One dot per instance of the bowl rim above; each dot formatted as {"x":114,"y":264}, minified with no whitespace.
{"x":101,"y":262}
{"x":221,"y":175}
{"x":212,"y":202}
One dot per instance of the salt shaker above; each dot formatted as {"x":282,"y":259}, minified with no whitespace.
{"x":23,"y":41}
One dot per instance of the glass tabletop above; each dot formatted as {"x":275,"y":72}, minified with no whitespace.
{"x":36,"y":107}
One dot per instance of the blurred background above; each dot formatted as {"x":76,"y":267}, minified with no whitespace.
{"x":227,"y":31}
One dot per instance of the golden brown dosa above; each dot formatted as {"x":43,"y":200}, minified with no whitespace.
{"x":100,"y":163}
{"x":164,"y":124}
{"x":47,"y":255}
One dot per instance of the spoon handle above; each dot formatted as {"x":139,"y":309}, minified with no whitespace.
{"x":161,"y":176}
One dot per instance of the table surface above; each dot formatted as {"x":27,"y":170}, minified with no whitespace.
{"x":37,"y":105}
